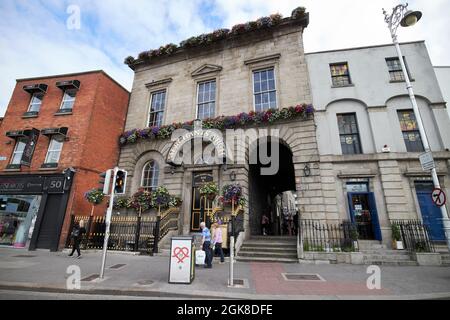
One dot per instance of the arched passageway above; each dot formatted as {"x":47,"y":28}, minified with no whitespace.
{"x":263,"y":189}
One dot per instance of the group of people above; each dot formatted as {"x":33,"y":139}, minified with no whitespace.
{"x":212,"y":243}
{"x":289,"y":223}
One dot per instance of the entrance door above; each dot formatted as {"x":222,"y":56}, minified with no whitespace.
{"x":431,"y":214}
{"x":363,"y":212}
{"x":200,"y":209}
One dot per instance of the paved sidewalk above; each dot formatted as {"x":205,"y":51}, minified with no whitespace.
{"x":148,"y":276}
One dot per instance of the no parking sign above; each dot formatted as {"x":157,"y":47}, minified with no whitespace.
{"x":438,"y":196}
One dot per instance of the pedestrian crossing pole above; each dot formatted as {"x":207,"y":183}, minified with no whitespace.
{"x":231,"y":280}
{"x":108,"y":223}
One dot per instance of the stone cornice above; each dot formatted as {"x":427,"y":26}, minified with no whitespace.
{"x":156,"y":83}
{"x":271,"y":57}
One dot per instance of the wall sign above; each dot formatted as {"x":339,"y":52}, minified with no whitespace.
{"x":29,"y":148}
{"x":33,"y":184}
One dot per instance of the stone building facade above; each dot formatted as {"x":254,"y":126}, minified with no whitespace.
{"x":368,"y":138}
{"x":231,"y":66}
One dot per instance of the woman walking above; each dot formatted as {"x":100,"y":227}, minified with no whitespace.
{"x":77,"y":235}
{"x":217,"y":241}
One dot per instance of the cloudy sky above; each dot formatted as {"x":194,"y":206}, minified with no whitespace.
{"x":35,"y":39}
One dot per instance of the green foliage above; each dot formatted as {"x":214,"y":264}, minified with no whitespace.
{"x":396,"y":235}
{"x":209,"y":189}
{"x":94,"y":196}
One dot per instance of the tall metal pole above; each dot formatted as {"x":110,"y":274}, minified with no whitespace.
{"x":108,"y":224}
{"x":393,"y":22}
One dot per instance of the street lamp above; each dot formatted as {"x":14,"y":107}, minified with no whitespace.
{"x":401,"y":16}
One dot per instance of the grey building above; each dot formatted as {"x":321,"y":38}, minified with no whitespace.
{"x":368,"y":138}
{"x":443,"y":77}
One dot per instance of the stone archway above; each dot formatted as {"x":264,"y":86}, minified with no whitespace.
{"x":264,"y":188}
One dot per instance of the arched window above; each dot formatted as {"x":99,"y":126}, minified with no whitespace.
{"x":150,"y":175}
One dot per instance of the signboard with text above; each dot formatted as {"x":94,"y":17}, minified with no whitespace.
{"x":29,"y":148}
{"x":427,"y":161}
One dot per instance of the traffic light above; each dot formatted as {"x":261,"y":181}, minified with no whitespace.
{"x":120,"y":182}
{"x":105,"y":180}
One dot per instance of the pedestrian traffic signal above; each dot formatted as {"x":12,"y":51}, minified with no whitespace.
{"x":120,"y":181}
{"x":105,"y":181}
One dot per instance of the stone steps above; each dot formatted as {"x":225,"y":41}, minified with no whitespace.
{"x":406,"y":263}
{"x":385,"y":257}
{"x":266,"y":259}
{"x":268,"y":249}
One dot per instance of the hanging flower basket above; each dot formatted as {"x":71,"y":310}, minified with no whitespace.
{"x":94,"y":196}
{"x":233,"y":192}
{"x":210,"y":190}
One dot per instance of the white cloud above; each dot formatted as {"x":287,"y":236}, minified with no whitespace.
{"x":35,"y":42}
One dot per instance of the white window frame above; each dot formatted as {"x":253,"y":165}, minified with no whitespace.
{"x":198,"y":91}
{"x":67,"y":100}
{"x":49,"y":150}
{"x":275,"y":82}
{"x":33,"y":104}
{"x":18,"y":141}
{"x":150,"y":106}
{"x":152,"y":187}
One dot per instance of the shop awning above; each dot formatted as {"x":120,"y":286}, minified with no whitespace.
{"x":55,"y":131}
{"x":36,"y":88}
{"x":69,"y":84}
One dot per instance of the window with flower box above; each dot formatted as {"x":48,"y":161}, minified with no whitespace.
{"x":349,"y":133}
{"x":410,"y":131}
{"x":150,"y":176}
{"x":157,"y":106}
{"x":264,"y":89}
{"x":340,"y":75}
{"x":206,"y":99}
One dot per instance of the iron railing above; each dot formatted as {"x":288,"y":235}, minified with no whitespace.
{"x":326,"y":237}
{"x":415,"y":235}
{"x":127,"y":233}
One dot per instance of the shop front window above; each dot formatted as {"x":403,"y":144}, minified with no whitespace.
{"x":17,"y":216}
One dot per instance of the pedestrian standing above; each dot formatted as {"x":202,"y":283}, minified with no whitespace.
{"x":77,"y":235}
{"x":217,"y":241}
{"x":265,"y":224}
{"x":206,"y":245}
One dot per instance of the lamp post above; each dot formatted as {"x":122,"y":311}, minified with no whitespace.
{"x":401,"y":16}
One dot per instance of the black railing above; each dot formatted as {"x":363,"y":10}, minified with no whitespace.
{"x":415,"y":235}
{"x":127,"y":233}
{"x":326,"y":237}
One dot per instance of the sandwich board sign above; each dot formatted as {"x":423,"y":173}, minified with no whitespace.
{"x":182,"y":260}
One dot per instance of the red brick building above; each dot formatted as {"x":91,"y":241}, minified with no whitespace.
{"x":58,"y":134}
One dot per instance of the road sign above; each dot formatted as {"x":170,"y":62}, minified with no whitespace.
{"x":438,"y":196}
{"x":427,"y":161}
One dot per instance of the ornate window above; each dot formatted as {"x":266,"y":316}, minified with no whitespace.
{"x":157,"y":108}
{"x":206,"y":99}
{"x":150,"y":175}
{"x":411,"y":134}
{"x":340,"y":75}
{"x":264,"y":89}
{"x":349,"y":133}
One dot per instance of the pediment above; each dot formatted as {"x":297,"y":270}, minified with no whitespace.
{"x":206,"y":69}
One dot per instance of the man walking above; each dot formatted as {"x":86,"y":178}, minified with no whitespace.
{"x":206,"y":245}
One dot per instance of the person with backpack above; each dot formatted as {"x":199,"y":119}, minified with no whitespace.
{"x":77,"y":235}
